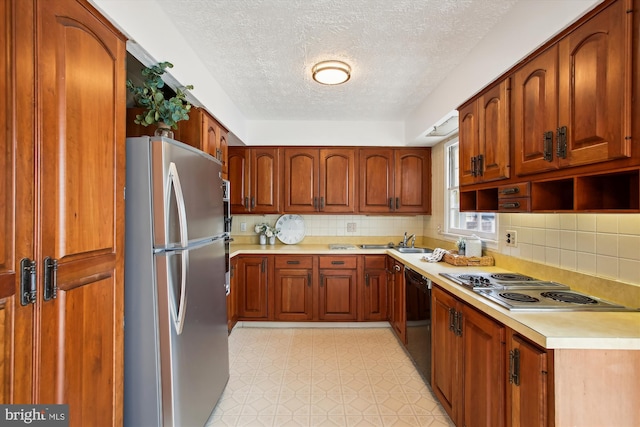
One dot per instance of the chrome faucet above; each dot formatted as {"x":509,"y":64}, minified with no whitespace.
{"x":403,"y":244}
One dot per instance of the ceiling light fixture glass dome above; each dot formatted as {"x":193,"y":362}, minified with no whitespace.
{"x":331,"y":72}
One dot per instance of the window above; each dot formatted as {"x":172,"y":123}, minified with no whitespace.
{"x":482,"y":224}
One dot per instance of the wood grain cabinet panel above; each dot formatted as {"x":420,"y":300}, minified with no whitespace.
{"x":338,"y":286}
{"x":253,"y":288}
{"x":254,"y":175}
{"x":395,"y":180}
{"x":484,"y":136}
{"x":319,"y":180}
{"x":294,"y":288}
{"x":573,"y":101}
{"x":468,"y":362}
{"x":70,"y":195}
{"x":530,"y":377}
{"x":374,"y":289}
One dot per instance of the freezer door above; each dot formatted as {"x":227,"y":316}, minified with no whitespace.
{"x":193,"y":333}
{"x":184,"y":182}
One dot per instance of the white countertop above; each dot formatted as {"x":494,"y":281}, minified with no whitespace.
{"x":551,"y":330}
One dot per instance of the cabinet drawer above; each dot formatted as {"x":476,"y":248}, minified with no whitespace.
{"x":522,"y":189}
{"x":338,"y":262}
{"x":294,"y":262}
{"x":375,"y":261}
{"x":520,"y":204}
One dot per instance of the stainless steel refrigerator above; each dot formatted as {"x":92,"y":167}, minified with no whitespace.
{"x":175,"y":332}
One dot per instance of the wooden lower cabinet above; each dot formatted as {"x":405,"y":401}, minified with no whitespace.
{"x":232,"y":298}
{"x":530,"y":378}
{"x":294,"y":287}
{"x":337,"y":291}
{"x":396,"y":283}
{"x":253,"y":287}
{"x":374,"y":290}
{"x":468,"y":362}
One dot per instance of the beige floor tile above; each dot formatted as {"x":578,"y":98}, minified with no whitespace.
{"x":321,"y":377}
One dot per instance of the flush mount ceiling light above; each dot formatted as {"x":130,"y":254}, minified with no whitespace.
{"x":331,"y":72}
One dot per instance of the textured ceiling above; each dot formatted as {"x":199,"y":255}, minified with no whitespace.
{"x":261,"y":51}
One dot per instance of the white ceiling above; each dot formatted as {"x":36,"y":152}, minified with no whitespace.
{"x":413,"y":61}
{"x":261,"y":51}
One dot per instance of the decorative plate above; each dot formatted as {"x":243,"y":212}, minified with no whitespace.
{"x":291,"y":229}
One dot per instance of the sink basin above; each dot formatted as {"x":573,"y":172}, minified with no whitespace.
{"x":405,"y":250}
{"x":387,"y":246}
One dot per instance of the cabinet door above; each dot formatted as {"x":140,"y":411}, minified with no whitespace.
{"x":493,"y":141}
{"x":375,"y":294}
{"x":483,"y":370}
{"x":412,"y":181}
{"x":399,"y":321}
{"x":528,"y":382}
{"x":16,"y":195}
{"x":224,"y":149}
{"x":253,"y":287}
{"x":294,"y":287}
{"x":595,"y":87}
{"x":301,"y":167}
{"x":265,"y":180}
{"x":239,"y":163}
{"x":337,"y":295}
{"x":81,"y":198}
{"x":337,"y":180}
{"x":446,"y":380}
{"x":376,"y":180}
{"x":535,"y":94}
{"x":232,"y":298}
{"x":469,"y":146}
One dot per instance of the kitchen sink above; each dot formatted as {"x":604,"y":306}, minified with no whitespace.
{"x":385,"y":246}
{"x":408,"y":250}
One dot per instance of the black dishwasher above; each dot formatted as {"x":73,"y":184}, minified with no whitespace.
{"x":418,"y":310}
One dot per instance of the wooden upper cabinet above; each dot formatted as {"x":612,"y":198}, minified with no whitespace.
{"x":203,"y":132}
{"x":468,"y":146}
{"x":572,"y":102}
{"x":595,"y":87}
{"x":535,"y":92}
{"x":484,"y":136}
{"x":412,"y":181}
{"x":301,"y":170}
{"x":376,"y":180}
{"x":319,"y":180}
{"x":254,"y":174}
{"x":395,"y":180}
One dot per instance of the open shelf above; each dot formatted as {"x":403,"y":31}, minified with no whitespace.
{"x":557,"y":195}
{"x":609,"y":192}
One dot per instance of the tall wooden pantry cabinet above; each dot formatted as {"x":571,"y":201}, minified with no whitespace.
{"x":62,"y":209}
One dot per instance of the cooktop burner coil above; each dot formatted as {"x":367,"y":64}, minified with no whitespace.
{"x":514,"y":277}
{"x":516,"y":296}
{"x":569,"y":297}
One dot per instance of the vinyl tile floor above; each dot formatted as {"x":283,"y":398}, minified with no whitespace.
{"x":318,"y":377}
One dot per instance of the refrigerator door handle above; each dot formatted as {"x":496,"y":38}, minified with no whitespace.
{"x":174,"y":184}
{"x":179,"y":307}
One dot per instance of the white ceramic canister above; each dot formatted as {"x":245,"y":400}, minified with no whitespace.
{"x":473,"y":247}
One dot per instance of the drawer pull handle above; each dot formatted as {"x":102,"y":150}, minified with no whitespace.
{"x":512,"y":205}
{"x":293,"y":262}
{"x":511,"y":190}
{"x":337,"y":262}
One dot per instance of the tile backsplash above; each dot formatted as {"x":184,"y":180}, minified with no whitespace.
{"x":339,"y":225}
{"x":602,"y":245}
